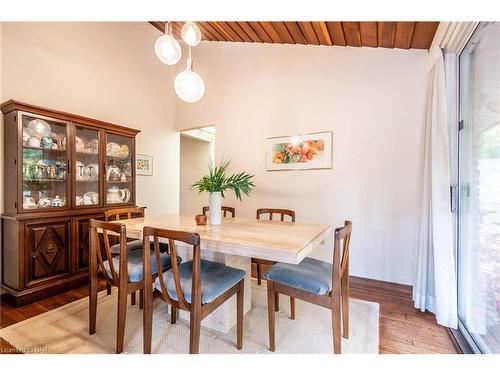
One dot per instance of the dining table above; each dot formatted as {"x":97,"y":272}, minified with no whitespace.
{"x":234,"y":242}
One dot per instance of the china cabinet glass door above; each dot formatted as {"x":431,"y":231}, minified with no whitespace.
{"x":86,"y":169}
{"x":44,"y":163}
{"x":119,"y":187}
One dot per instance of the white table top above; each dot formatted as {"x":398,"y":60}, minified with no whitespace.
{"x":272,"y":240}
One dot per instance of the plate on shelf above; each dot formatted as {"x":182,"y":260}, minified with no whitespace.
{"x":39,"y":128}
{"x":29,"y":203}
{"x":80,"y":144}
{"x":44,"y":202}
{"x":90,"y":197}
{"x":113,"y":149}
{"x":93,"y":146}
{"x":124,"y":151}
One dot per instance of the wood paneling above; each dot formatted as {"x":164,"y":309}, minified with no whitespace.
{"x":259,"y":30}
{"x":322,"y":33}
{"x":403,"y":329}
{"x":283,"y":32}
{"x":212,"y":30}
{"x":386,"y":33}
{"x":228,"y":31}
{"x":271,"y":31}
{"x":251,"y":32}
{"x":294,"y":30}
{"x":351,"y":33}
{"x":241,"y":33}
{"x":308,"y":32}
{"x":403,"y":35}
{"x":336,"y":33}
{"x":369,"y":34}
{"x":423,"y":34}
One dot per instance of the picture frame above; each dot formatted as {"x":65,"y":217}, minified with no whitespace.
{"x":300,"y":152}
{"x":144,"y":165}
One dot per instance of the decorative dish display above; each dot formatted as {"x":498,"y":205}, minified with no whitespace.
{"x":29,"y":202}
{"x":86,"y":147}
{"x":39,"y":128}
{"x":89,"y":172}
{"x":90,"y":197}
{"x":38,"y":134}
{"x":118,"y":151}
{"x":117,"y":195}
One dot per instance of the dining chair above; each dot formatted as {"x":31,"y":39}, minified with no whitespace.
{"x":317,"y":282}
{"x":225,"y":210}
{"x":271,"y":212}
{"x":198,"y":286}
{"x":260,"y":262}
{"x":125,"y":271}
{"x":122,"y":214}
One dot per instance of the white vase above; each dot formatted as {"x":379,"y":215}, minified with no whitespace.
{"x":215,"y":207}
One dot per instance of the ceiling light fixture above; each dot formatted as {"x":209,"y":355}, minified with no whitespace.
{"x":188,"y":84}
{"x":191,"y":34}
{"x":167,"y":48}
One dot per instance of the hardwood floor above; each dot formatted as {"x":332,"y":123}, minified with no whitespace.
{"x":403,"y":329}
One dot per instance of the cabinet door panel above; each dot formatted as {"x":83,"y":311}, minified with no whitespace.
{"x":82,"y":241}
{"x":47,"y":248}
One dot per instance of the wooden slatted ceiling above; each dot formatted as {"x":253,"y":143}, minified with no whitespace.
{"x":404,"y":35}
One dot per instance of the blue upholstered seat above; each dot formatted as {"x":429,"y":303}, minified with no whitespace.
{"x":310,"y":275}
{"x":131,"y":246}
{"x":135,"y":269}
{"x":216,"y":279}
{"x":137,"y":245}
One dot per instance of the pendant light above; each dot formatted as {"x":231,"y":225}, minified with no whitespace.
{"x":188,"y":84}
{"x":191,"y":34}
{"x":167,"y":48}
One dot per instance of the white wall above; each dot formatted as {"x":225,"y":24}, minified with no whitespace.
{"x":194,"y":161}
{"x":106,"y":71}
{"x":372,"y":100}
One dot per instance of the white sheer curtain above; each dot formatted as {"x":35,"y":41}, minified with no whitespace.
{"x":435,"y":287}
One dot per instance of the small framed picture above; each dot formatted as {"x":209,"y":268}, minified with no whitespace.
{"x":306,"y":151}
{"x":144,"y":165}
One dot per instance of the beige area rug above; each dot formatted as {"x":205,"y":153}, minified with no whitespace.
{"x":65,"y":329}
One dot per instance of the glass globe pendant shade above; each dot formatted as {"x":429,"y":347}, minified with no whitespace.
{"x":191,"y":34}
{"x":167,"y":49}
{"x":188,"y":85}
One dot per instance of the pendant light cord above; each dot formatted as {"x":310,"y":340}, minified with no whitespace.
{"x":190,"y":60}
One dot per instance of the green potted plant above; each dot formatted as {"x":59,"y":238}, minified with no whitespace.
{"x":217,"y":181}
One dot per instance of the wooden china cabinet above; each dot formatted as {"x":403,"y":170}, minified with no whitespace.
{"x":60,"y":170}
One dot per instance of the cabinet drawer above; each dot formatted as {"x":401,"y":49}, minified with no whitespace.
{"x":47,"y":249}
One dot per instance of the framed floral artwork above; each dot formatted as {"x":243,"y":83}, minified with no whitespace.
{"x":144,"y":165}
{"x":307,"y":151}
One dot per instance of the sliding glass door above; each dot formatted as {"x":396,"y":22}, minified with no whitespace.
{"x":479,"y":190}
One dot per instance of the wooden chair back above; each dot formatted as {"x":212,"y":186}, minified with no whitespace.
{"x":124,"y":213}
{"x":101,"y":255}
{"x":225,"y":210}
{"x":278,"y":211}
{"x":189,"y":238}
{"x":342,"y":241}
